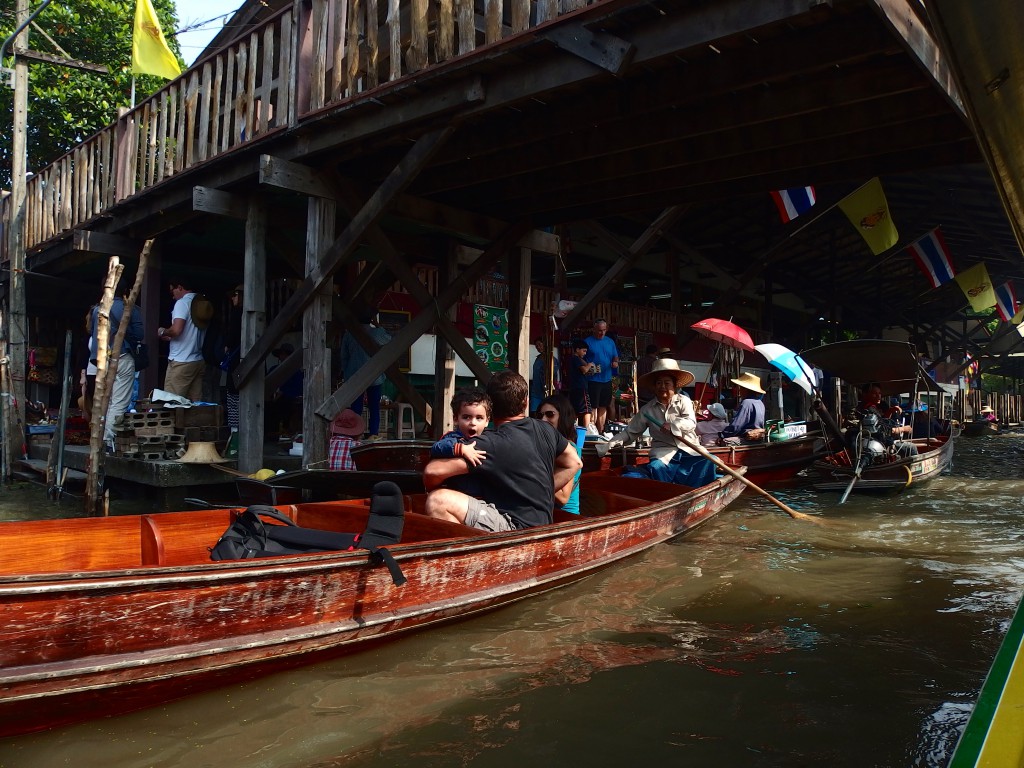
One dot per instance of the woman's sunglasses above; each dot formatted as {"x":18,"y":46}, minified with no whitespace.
{"x":549,"y":414}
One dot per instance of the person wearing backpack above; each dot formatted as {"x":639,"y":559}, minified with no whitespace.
{"x":189,"y":318}
{"x":124,"y":378}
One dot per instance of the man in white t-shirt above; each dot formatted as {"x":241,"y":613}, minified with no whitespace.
{"x":185,"y":364}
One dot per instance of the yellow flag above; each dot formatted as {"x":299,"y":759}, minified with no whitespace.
{"x":977,"y":287}
{"x":150,"y":54}
{"x":868,"y":210}
{"x":1018,"y":318}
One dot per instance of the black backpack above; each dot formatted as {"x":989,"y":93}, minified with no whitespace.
{"x":249,"y":537}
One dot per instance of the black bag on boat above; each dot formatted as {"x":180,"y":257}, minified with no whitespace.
{"x":249,"y":537}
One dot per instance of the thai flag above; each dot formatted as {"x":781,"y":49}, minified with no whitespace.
{"x":1006,"y":301}
{"x":932,"y":257}
{"x":792,"y":202}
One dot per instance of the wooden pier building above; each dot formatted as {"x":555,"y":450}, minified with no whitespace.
{"x":619,"y":149}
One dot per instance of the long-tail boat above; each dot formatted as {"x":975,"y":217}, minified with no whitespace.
{"x":979,"y":428}
{"x":106,"y":615}
{"x":866,"y":464}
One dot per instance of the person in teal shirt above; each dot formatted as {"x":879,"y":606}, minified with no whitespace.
{"x":557,"y":411}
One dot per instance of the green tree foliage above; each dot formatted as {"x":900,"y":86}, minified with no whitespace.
{"x":66,"y":106}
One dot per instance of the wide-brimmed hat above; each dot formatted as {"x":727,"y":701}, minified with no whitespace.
{"x":349,"y":423}
{"x":665,"y":367}
{"x":664,"y":351}
{"x":717,"y":410}
{"x":201,"y":453}
{"x":748,"y":380}
{"x":987,"y":409}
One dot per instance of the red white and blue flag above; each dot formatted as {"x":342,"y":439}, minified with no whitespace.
{"x":792,"y":202}
{"x":932,"y":257}
{"x":1006,"y":301}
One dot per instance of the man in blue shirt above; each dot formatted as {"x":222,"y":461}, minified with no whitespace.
{"x":604,"y":354}
{"x":750,"y":414}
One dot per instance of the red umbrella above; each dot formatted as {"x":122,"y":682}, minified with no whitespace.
{"x":729,"y":334}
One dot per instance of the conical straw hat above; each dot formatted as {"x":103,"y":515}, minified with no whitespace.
{"x":201,"y":453}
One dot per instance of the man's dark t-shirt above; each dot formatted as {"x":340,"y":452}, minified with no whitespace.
{"x":516,"y":477}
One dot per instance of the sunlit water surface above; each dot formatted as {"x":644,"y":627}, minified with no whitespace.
{"x":757,"y":640}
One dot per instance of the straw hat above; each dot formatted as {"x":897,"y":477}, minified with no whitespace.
{"x":201,"y":453}
{"x":748,"y":380}
{"x":664,"y":367}
{"x":987,"y":409}
{"x":348,"y":422}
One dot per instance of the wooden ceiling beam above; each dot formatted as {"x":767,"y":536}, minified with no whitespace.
{"x":737,"y":126}
{"x":612,"y":178}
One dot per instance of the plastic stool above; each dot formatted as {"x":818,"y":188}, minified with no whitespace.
{"x":401,"y":430}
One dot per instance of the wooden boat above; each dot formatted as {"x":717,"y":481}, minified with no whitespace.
{"x":775,"y":461}
{"x":834,"y":472}
{"x":766,"y":462}
{"x":895,"y":366}
{"x":994,"y":735}
{"x":979,"y":428}
{"x":392,"y":455}
{"x":106,"y":615}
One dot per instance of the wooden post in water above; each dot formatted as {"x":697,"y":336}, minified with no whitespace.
{"x":105,"y":373}
{"x":94,"y":465}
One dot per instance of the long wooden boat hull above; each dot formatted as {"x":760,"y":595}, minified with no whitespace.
{"x":105,"y":615}
{"x":774,"y":462}
{"x":934,"y":456}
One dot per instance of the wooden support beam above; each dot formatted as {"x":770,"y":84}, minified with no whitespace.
{"x":220,"y":203}
{"x":628,"y":257}
{"x":457,"y":222}
{"x":251,"y":403}
{"x":110,"y":245}
{"x":599,"y":48}
{"x":394,"y":373}
{"x":520,"y":275}
{"x":444,"y":358}
{"x":316,"y":382}
{"x":390,"y":256}
{"x":402,"y":175}
{"x":419,"y":325}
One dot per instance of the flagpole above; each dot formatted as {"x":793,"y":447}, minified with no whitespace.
{"x":133,"y":91}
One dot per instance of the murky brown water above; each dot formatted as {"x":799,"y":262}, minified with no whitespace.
{"x":756,"y":641}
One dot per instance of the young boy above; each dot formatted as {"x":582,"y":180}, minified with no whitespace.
{"x":580,"y":371}
{"x":472,"y":411}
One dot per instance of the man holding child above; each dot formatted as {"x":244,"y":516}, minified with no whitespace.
{"x":523,"y":461}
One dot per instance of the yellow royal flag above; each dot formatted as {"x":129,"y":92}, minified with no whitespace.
{"x":150,"y":54}
{"x":1018,"y":318}
{"x":977,"y":287}
{"x":868,"y":210}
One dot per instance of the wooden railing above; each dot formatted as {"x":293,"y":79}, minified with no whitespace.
{"x":371,"y":42}
{"x":228,"y":100}
{"x":272,"y":78}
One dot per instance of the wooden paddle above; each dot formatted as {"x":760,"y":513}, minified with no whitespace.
{"x":739,"y":476}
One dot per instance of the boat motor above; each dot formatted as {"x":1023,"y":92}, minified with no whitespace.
{"x":870,"y":449}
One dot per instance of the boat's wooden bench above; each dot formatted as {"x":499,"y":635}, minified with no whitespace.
{"x":181,"y":539}
{"x":69,"y":545}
